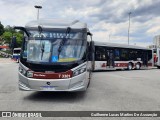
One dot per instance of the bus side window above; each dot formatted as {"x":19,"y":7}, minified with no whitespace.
{"x":100,"y":54}
{"x":132,"y":54}
{"x":124,"y":54}
{"x":117,"y":54}
{"x":149,"y":54}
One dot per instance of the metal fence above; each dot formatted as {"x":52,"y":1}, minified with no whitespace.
{"x":6,"y":55}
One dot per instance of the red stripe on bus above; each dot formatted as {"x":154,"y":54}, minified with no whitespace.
{"x":121,"y":64}
{"x":62,"y":75}
{"x":149,"y":64}
{"x":104,"y":65}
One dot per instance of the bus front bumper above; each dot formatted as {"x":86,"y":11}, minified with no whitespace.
{"x":77,"y":83}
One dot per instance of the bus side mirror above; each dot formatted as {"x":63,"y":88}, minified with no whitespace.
{"x":23,"y":29}
{"x":90,"y":51}
{"x":88,"y":33}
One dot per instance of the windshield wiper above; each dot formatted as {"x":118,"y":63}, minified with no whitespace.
{"x":42,"y":47}
{"x":63,"y":41}
{"x":42,"y":50}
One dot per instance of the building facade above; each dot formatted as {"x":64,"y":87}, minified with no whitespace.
{"x":156,"y":40}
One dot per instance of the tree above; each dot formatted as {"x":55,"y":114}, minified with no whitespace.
{"x":9,"y":32}
{"x":1,"y":29}
{"x":8,"y":28}
{"x":19,"y":37}
{"x":7,"y":36}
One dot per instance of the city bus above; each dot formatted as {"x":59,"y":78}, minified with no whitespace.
{"x":55,"y":56}
{"x":16,"y":54}
{"x":157,"y":57}
{"x":112,"y":56}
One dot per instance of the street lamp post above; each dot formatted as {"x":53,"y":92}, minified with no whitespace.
{"x":38,"y":7}
{"x":129,"y":26}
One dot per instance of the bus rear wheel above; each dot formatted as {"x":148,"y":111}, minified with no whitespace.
{"x":138,"y":66}
{"x":158,"y":67}
{"x":129,"y":66}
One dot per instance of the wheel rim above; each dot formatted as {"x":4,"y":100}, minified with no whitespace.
{"x":137,"y":66}
{"x":129,"y":66}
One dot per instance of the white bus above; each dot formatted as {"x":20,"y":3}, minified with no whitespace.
{"x":111,"y":56}
{"x":157,"y":57}
{"x":54,"y":56}
{"x":16,"y":54}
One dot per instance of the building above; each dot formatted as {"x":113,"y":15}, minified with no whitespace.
{"x":3,"y":47}
{"x":156,"y":40}
{"x":152,"y":46}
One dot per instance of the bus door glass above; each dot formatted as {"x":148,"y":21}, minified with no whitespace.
{"x":145,"y":58}
{"x":158,"y":56}
{"x":110,"y":57}
{"x":155,"y":56}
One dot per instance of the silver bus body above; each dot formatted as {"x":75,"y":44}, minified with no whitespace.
{"x":68,"y":74}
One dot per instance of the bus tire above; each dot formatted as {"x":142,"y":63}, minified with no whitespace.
{"x":88,"y":83}
{"x":89,"y":79}
{"x":158,"y":67}
{"x":138,"y":66}
{"x":130,"y":66}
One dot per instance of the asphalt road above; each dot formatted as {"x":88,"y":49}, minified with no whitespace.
{"x":136,"y":90}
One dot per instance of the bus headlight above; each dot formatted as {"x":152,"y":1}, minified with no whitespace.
{"x":29,"y":74}
{"x":22,"y":71}
{"x":79,"y":71}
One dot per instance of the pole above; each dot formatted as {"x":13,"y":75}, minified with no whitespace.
{"x":38,"y":7}
{"x":129,"y":26}
{"x":38,"y":14}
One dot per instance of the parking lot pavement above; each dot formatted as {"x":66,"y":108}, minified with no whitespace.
{"x":6,"y":60}
{"x":136,"y":90}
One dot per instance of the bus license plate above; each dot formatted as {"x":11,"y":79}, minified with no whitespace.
{"x":47,"y":87}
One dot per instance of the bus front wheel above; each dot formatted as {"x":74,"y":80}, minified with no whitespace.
{"x":88,"y":83}
{"x":89,"y":79}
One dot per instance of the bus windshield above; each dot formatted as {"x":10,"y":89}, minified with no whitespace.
{"x":41,"y":48}
{"x":16,"y":51}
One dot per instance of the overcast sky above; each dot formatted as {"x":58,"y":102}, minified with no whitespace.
{"x":106,"y":19}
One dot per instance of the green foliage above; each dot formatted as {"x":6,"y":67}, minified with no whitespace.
{"x":7,"y":37}
{"x":1,"y":29}
{"x":9,"y":33}
{"x":19,"y":37}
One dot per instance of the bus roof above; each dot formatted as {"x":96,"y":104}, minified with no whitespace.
{"x":97,"y":43}
{"x":56,"y":23}
{"x":17,"y":49}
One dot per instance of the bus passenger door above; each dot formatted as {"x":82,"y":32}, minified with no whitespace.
{"x":145,"y":58}
{"x":110,"y":58}
{"x":158,"y":58}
